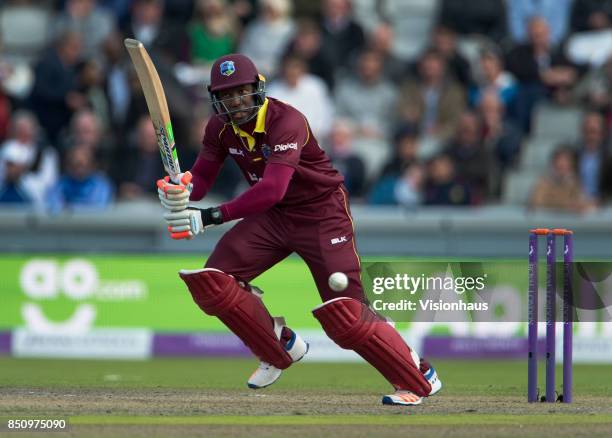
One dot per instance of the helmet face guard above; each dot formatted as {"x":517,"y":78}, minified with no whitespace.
{"x":222,"y":107}
{"x":231,"y":71}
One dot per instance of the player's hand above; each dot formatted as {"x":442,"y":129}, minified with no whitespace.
{"x":184,"y":224}
{"x":175,"y":197}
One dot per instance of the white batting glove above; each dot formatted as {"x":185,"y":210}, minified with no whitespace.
{"x":184,"y":224}
{"x":175,"y":197}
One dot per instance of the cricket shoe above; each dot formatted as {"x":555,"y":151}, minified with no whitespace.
{"x":402,"y":398}
{"x":266,"y":374}
{"x":431,"y":375}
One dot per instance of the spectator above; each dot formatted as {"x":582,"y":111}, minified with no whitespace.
{"x":91,"y":86}
{"x":82,"y":187}
{"x":117,"y":87}
{"x":406,"y":150}
{"x":179,"y":11}
{"x":484,"y":17}
{"x":402,"y":177}
{"x":412,"y":22}
{"x":381,"y":40}
{"x":344,"y":157}
{"x":306,"y":92}
{"x":158,"y":33}
{"x":595,"y":90}
{"x":266,"y":37}
{"x":500,"y":135}
{"x":91,"y":23}
{"x":15,"y":189}
{"x":592,"y":155}
{"x":554,"y":12}
{"x":87,"y":131}
{"x":245,"y":11}
{"x":341,"y":33}
{"x":441,"y":185}
{"x":212,"y":31}
{"x":139,"y":164}
{"x":492,"y":76}
{"x":408,"y":189}
{"x":405,"y":189}
{"x":55,"y":86}
{"x":590,"y":15}
{"x":40,"y":162}
{"x":367,"y":98}
{"x":444,"y":40}
{"x":146,"y":21}
{"x":560,"y":190}
{"x":120,"y":9}
{"x":432,"y":101}
{"x":540,"y":70}
{"x":473,"y":162}
{"x":307,"y":43}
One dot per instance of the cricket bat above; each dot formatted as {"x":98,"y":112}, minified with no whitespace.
{"x":158,"y":107}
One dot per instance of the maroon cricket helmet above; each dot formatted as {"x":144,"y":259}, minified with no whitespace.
{"x":231,"y":71}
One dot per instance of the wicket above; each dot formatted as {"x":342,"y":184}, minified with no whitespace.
{"x":551,"y":295}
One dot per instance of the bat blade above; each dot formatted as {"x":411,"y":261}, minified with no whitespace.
{"x":158,"y":107}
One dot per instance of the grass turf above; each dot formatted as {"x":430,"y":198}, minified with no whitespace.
{"x":164,"y":395}
{"x":504,"y":378}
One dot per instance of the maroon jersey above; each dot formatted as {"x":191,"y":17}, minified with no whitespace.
{"x":281,"y":134}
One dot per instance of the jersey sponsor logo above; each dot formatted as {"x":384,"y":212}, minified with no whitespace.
{"x":235,"y":151}
{"x":337,"y":240}
{"x":227,"y":68}
{"x":284,"y":147}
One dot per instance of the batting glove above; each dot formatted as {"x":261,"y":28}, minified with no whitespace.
{"x":175,"y":197}
{"x":188,"y":223}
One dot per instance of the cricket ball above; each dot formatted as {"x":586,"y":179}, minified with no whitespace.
{"x":338,"y":281}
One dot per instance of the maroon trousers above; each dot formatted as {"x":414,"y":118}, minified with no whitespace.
{"x":321,"y":233}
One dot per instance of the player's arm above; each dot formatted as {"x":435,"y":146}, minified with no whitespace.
{"x":204,"y":173}
{"x":194,"y":185}
{"x":260,"y":197}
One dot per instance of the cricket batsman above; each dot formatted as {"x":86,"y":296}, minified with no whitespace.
{"x":296,"y":203}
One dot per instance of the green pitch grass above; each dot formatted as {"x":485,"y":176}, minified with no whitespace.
{"x":208,"y":397}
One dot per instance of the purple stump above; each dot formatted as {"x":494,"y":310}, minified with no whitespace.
{"x":568,"y":315}
{"x":550,"y":316}
{"x":532,"y":320}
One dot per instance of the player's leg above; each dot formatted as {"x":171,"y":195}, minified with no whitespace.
{"x":328,"y":247}
{"x":221,"y":289}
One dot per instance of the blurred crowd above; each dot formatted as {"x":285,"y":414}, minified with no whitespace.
{"x":417,"y":102}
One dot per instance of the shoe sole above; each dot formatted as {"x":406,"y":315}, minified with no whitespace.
{"x":252,"y":386}
{"x":386,"y":400}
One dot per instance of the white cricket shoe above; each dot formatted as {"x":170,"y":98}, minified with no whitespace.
{"x":402,"y":398}
{"x":266,"y":374}
{"x":434,"y":381}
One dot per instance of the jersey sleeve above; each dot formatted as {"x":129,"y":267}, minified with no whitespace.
{"x":212,"y":149}
{"x":287,"y":137}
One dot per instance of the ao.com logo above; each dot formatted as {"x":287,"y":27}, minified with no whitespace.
{"x":43,"y":280}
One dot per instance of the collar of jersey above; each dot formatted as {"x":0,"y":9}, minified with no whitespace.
{"x":260,"y":126}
